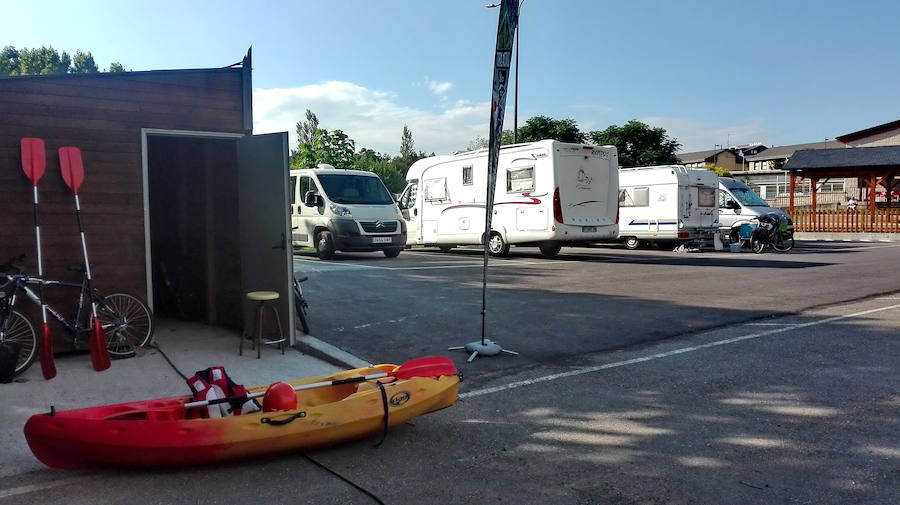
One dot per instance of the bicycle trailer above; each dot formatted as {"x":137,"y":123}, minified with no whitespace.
{"x":163,"y":432}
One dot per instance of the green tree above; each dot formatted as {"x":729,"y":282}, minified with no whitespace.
{"x":83,"y":63}
{"x":407,"y":149}
{"x":720,"y":171}
{"x":544,"y":127}
{"x":638,"y":144}
{"x":478,"y":142}
{"x":334,"y":148}
{"x":45,"y":60}
{"x":9,"y":61}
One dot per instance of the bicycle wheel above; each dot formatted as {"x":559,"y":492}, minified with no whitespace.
{"x":300,"y":307}
{"x":127,"y":322}
{"x":757,"y":245}
{"x":17,"y":328}
{"x":784,"y":241}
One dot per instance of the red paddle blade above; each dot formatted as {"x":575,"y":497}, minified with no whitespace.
{"x":34,"y":159}
{"x":99,"y":354}
{"x":432,"y":366}
{"x":71,"y":167}
{"x":48,"y":367}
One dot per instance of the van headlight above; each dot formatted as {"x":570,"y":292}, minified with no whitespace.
{"x":340,"y":210}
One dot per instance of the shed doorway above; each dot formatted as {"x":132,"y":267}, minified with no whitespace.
{"x":216,"y":225}
{"x":194,"y":229}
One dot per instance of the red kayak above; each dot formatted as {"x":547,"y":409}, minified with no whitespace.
{"x":161,"y":433}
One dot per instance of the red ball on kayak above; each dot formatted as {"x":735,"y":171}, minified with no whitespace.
{"x":280,"y":396}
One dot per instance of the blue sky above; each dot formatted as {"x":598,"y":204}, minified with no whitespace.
{"x":780,"y":72}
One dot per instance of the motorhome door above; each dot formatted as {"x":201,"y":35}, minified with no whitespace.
{"x":410,"y":211}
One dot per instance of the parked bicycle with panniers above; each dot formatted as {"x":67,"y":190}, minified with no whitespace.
{"x":125,"y":319}
{"x":771,"y":230}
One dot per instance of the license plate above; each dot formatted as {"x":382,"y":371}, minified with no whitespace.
{"x":381,"y":240}
{"x":589,"y":229}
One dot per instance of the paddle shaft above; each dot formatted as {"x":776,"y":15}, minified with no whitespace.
{"x":349,"y":380}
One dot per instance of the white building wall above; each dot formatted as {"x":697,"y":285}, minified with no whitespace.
{"x":889,"y":138}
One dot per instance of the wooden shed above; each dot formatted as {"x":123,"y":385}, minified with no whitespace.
{"x":182,"y":205}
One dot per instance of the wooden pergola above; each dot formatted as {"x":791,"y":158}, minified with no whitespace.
{"x":876,"y":166}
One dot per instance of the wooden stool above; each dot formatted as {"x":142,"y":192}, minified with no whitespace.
{"x":262,"y":298}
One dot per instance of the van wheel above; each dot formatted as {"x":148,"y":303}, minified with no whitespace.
{"x":325,"y":246}
{"x":392,"y":253}
{"x":549,"y":249}
{"x":497,"y":246}
{"x":667,"y":245}
{"x":632,"y":243}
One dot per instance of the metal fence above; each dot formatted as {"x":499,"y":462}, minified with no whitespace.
{"x":883,"y":220}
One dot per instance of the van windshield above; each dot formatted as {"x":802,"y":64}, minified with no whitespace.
{"x":747,"y":197}
{"x":355,"y":189}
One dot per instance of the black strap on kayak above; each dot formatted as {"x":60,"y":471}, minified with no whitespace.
{"x":384,"y":401}
{"x":281,"y":422}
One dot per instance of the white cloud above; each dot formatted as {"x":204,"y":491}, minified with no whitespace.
{"x":374,"y":119}
{"x":699,"y":136}
{"x":438,"y":88}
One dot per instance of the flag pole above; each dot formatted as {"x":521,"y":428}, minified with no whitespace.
{"x":506,"y":31}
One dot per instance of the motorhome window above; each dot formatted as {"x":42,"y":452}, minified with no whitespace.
{"x":519,"y":180}
{"x":707,"y":197}
{"x":468,"y":178}
{"x":636,"y":197}
{"x":355,"y":189}
{"x":436,"y":189}
{"x":746,"y":197}
{"x":293,"y":190}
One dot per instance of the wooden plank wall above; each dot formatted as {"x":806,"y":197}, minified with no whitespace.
{"x":103,"y":115}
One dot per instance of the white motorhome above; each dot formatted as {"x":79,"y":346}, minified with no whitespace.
{"x":669,"y":205}
{"x":344,"y":210}
{"x":548,"y":194}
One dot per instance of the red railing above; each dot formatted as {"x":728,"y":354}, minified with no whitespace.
{"x":883,"y":220}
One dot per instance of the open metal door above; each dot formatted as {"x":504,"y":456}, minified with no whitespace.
{"x":263,"y":199}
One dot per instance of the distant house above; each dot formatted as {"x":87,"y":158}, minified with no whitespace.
{"x":887,"y":134}
{"x":774,"y":158}
{"x":725,"y":158}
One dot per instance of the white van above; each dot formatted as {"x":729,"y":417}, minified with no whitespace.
{"x":344,"y":210}
{"x":548,"y":194}
{"x":669,"y":205}
{"x":739,"y":204}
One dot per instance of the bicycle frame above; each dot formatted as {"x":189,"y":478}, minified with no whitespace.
{"x":72,"y":327}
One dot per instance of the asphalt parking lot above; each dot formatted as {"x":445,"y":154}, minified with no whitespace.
{"x":586,"y":300}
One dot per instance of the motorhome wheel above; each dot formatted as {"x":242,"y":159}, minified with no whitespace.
{"x":498,"y":246}
{"x":549,"y":249}
{"x":632,"y":243}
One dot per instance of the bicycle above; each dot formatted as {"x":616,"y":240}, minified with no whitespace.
{"x":772,"y":230}
{"x":300,"y":305}
{"x":126,"y":320}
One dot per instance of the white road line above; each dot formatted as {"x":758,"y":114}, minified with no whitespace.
{"x":770,"y":324}
{"x":472,"y":265}
{"x":582,"y":371}
{"x":888,"y":298}
{"x":15,"y":491}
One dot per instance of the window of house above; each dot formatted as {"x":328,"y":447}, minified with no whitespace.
{"x":468,"y":177}
{"x":519,"y":180}
{"x":635,"y":197}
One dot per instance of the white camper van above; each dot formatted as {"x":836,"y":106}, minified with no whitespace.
{"x":548,"y":194}
{"x":344,"y":210}
{"x":668,"y":204}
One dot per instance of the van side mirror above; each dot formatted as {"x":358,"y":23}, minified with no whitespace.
{"x":311,"y":199}
{"x":731,"y":204}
